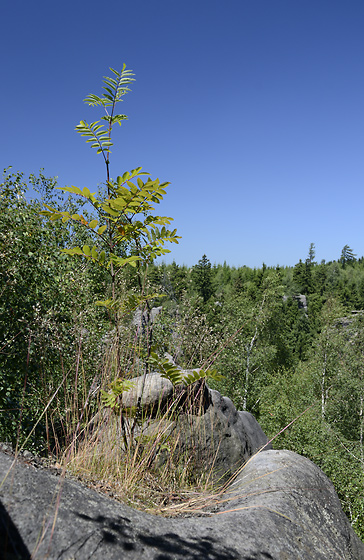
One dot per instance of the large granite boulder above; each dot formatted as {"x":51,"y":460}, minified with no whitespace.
{"x":219,"y":438}
{"x":151,"y":392}
{"x":280,"y":507}
{"x":200,"y":423}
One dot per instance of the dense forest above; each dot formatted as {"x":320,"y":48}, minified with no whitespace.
{"x":287,"y":341}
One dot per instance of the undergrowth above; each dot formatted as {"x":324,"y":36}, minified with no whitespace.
{"x":138,"y":455}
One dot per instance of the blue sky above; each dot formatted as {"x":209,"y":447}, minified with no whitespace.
{"x":253,"y":109}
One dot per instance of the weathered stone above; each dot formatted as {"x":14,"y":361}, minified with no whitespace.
{"x":154,"y":393}
{"x":140,"y":318}
{"x":243,"y":423}
{"x":281,"y":507}
{"x":219,"y":438}
{"x":151,"y":391}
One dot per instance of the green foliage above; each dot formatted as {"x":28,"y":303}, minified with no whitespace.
{"x":183,"y":330}
{"x":125,"y":231}
{"x":115,"y":88}
{"x":43,"y":309}
{"x":347,"y":255}
{"x":328,"y":388}
{"x":124,"y":225}
{"x":111,"y":398}
{"x":202,"y":278}
{"x":48,"y":297}
{"x":302,"y":277}
{"x":176,"y":376}
{"x":311,"y":254}
{"x":250,"y":353}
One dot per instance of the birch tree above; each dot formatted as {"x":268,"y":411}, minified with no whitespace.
{"x":246,"y":358}
{"x":328,"y":351}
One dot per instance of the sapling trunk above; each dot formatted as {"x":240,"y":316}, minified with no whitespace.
{"x":323,"y":387}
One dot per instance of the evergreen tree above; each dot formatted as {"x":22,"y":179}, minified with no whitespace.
{"x":302,"y":277}
{"x":202,"y":278}
{"x":311,"y":253}
{"x":179,"y":279}
{"x":347,"y":256}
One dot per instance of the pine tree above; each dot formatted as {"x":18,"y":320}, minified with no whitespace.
{"x":311,"y":253}
{"x":347,"y":256}
{"x":202,"y":278}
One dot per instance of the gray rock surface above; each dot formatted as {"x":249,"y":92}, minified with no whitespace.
{"x":214,"y":432}
{"x":281,"y":507}
{"x":222,"y":436}
{"x":140,"y":318}
{"x":152,"y":390}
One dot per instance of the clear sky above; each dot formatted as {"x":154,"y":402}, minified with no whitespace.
{"x":253,"y":109}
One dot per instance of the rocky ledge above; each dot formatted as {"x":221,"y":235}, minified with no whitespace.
{"x":280,"y":507}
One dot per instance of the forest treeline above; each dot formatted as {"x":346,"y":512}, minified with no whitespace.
{"x":288,"y":341}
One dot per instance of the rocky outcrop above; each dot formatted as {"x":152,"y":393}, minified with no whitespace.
{"x":142,"y":319}
{"x":152,"y":392}
{"x":280,"y":507}
{"x":213,"y":431}
{"x":221,"y":436}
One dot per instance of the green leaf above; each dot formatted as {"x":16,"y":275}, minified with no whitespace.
{"x":87,"y":251}
{"x":93,"y":224}
{"x":74,"y":190}
{"x":108,"y":400}
{"x":93,"y":100}
{"x":74,"y":251}
{"x":101,"y":230}
{"x":118,"y":203}
{"x":49,"y":208}
{"x":123,"y":179}
{"x":120,"y":262}
{"x":106,"y":303}
{"x":213,"y":374}
{"x":109,"y":210}
{"x":194,"y":376}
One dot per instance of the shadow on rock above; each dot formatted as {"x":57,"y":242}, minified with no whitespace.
{"x":12,"y":546}
{"x":172,"y":546}
{"x":119,"y":531}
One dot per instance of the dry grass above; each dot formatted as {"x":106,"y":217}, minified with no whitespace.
{"x":144,"y":465}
